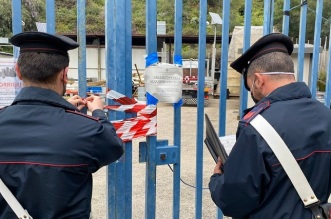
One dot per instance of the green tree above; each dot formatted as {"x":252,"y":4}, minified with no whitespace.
{"x":165,"y":12}
{"x":32,"y":11}
{"x":237,"y":16}
{"x":5,"y":19}
{"x":66,"y":17}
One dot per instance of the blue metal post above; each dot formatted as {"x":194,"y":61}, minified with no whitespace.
{"x":127,"y":65}
{"x":328,"y":76}
{"x":119,"y":75}
{"x":224,"y":67}
{"x":110,"y":48}
{"x":17,"y":16}
{"x":16,"y":21}
{"x":50,"y":15}
{"x":200,"y":106}
{"x":128,"y":48}
{"x":81,"y":35}
{"x":177,"y":110}
{"x":302,"y":39}
{"x":267,"y":28}
{"x":110,"y":67}
{"x":272,"y":12}
{"x":286,"y":17}
{"x":151,"y":48}
{"x":151,"y":21}
{"x":317,"y":41}
{"x":119,"y":85}
{"x":247,"y":40}
{"x":224,"y":76}
{"x":150,"y":193}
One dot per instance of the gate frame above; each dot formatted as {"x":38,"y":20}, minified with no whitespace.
{"x":119,"y":57}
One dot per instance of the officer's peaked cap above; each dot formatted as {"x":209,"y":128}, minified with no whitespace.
{"x":43,"y":42}
{"x":274,"y":42}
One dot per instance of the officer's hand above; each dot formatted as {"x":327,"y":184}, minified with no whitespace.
{"x":218,"y":167}
{"x":77,"y":101}
{"x":94,"y":102}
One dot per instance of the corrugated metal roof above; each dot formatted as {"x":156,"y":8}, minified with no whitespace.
{"x":4,"y":40}
{"x":5,"y":55}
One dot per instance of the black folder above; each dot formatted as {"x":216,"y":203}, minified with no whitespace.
{"x":213,"y":143}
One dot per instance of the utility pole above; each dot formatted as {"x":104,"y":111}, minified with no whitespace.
{"x":215,"y":20}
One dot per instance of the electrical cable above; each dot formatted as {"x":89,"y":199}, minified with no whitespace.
{"x":185,"y":182}
{"x":315,"y":13}
{"x":302,"y":4}
{"x":297,"y":6}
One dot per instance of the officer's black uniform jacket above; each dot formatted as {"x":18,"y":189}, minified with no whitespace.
{"x":48,"y":152}
{"x":254,"y":184}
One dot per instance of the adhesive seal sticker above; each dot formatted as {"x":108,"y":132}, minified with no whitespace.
{"x":164,"y":82}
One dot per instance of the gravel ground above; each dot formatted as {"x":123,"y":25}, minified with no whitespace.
{"x":164,"y":174}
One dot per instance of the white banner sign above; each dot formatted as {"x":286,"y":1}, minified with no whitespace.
{"x":164,"y":81}
{"x":10,"y":84}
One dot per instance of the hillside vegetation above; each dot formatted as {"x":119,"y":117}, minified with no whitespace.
{"x":66,"y":11}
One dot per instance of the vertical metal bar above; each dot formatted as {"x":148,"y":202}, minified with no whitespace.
{"x":128,"y":49}
{"x":151,"y":47}
{"x":123,"y":61}
{"x":119,"y":75}
{"x":286,"y":18}
{"x":110,"y":48}
{"x":224,"y":67}
{"x":151,"y":38}
{"x":127,"y":12}
{"x":177,"y":110}
{"x":81,"y":35}
{"x":120,"y":58}
{"x":150,"y":200}
{"x":16,"y":21}
{"x":111,"y":192}
{"x":121,"y":181}
{"x":272,"y":12}
{"x":267,"y":17}
{"x":224,"y":76}
{"x":328,"y":76}
{"x":119,"y":85}
{"x":302,"y":39}
{"x":128,"y":177}
{"x":50,"y":16}
{"x":317,"y":41}
{"x":110,"y":51}
{"x":200,"y":106}
{"x":247,"y":41}
{"x":17,"y":16}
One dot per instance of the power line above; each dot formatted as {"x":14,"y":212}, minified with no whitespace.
{"x":299,"y":6}
{"x":315,"y":13}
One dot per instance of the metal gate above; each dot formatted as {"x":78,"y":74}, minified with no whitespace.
{"x":157,"y":152}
